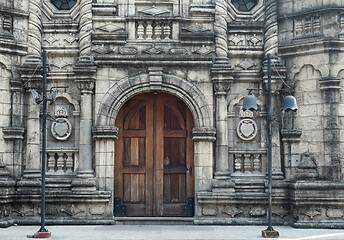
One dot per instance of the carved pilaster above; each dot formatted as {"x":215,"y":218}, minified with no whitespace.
{"x":330,"y":88}
{"x":85,"y":79}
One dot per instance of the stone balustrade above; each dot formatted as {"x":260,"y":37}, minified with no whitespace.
{"x":153,"y":30}
{"x":61,"y":161}
{"x":248,"y":162}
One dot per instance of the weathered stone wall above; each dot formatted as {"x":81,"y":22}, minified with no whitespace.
{"x":209,"y":54}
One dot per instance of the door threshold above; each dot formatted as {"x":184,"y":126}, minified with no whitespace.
{"x":154,"y":220}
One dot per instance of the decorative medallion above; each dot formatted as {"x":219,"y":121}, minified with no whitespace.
{"x":63,"y":4}
{"x":203,"y":50}
{"x":312,"y":213}
{"x":110,"y":27}
{"x":128,"y":50}
{"x":257,"y":212}
{"x":70,"y":39}
{"x":254,"y":40}
{"x":178,"y":51}
{"x":61,"y":128}
{"x":334,"y":213}
{"x":196,"y":28}
{"x":244,"y":5}
{"x":153,"y":50}
{"x":247,"y":129}
{"x":51,"y":39}
{"x":236,"y":40}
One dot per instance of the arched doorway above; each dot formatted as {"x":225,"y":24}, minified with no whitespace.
{"x":154,"y":162}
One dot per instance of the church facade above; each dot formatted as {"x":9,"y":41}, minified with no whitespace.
{"x":148,"y":119}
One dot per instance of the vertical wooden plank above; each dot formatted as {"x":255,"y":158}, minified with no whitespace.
{"x":182,"y":188}
{"x":174,"y":186}
{"x":149,"y":190}
{"x":190,"y":182}
{"x":134,"y":151}
{"x":142,"y":151}
{"x":159,"y":156}
{"x":142,"y":188}
{"x":167,"y":190}
{"x":134,"y":188}
{"x":118,"y":177}
{"x":182,"y":151}
{"x":126,"y":188}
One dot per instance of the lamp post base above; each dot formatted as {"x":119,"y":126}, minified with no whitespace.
{"x":270,"y":233}
{"x":42,"y":235}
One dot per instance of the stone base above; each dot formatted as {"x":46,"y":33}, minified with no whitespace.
{"x":270,"y":234}
{"x":42,"y":235}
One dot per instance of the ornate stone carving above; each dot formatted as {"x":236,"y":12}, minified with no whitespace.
{"x":51,"y":39}
{"x":257,"y":212}
{"x":70,"y":39}
{"x":153,"y":50}
{"x":178,"y":51}
{"x":271,"y":28}
{"x":102,"y":49}
{"x":128,"y":50}
{"x":246,"y":114}
{"x":246,"y":64}
{"x":247,"y":129}
{"x":97,"y":210}
{"x":204,"y":50}
{"x":312,"y":213}
{"x":209,"y":211}
{"x":85,"y":28}
{"x":232,"y":211}
{"x":236,"y":40}
{"x":61,"y":129}
{"x":154,"y":10}
{"x":254,"y":40}
{"x":334,"y":213}
{"x":221,"y":86}
{"x":196,"y":28}
{"x":280,"y":212}
{"x":220,"y":29}
{"x":110,"y":27}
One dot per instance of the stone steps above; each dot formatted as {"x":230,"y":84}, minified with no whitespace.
{"x":249,"y":186}
{"x":154,"y":220}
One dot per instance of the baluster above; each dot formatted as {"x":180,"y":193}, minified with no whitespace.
{"x":256,"y":163}
{"x":60,"y":162}
{"x":298,"y":27}
{"x":316,"y":24}
{"x":51,"y":162}
{"x":149,"y":30}
{"x":247,"y":163}
{"x":237,"y":163}
{"x":69,"y":162}
{"x":140,"y":30}
{"x":308,"y":25}
{"x":158,"y":31}
{"x":167,"y":31}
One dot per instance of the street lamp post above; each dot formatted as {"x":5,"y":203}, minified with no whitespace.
{"x":289,"y":104}
{"x":42,"y":232}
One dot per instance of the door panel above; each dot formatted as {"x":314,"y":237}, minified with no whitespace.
{"x":154,"y":150}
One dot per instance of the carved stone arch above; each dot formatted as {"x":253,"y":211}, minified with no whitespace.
{"x":337,"y":68}
{"x":126,"y":88}
{"x":70,"y":99}
{"x":316,"y":64}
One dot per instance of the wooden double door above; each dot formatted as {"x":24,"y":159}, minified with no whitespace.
{"x":154,"y":155}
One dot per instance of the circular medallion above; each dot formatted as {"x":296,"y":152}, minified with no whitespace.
{"x":247,"y":129}
{"x":61,"y":129}
{"x":244,"y":5}
{"x":63,"y":4}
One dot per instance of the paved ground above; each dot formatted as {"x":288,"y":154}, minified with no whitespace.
{"x":162,"y":232}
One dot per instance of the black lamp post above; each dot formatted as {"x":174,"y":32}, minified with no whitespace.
{"x":42,"y":232}
{"x":289,"y":104}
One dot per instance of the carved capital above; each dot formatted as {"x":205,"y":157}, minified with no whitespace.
{"x":85,"y":86}
{"x":204,"y":134}
{"x":105,"y":132}
{"x":221,"y":87}
{"x":13,"y":133}
{"x":330,"y":83}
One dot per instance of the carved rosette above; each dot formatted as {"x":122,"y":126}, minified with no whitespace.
{"x":271,"y":28}
{"x":85,"y":86}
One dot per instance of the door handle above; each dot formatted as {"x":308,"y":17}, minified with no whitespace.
{"x":189,"y":170}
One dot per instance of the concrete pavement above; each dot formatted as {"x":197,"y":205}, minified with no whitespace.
{"x":175,"y":232}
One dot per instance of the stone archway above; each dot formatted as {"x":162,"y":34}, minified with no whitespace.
{"x":105,"y":133}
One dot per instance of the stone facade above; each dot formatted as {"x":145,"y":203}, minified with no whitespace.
{"x":208,"y":53}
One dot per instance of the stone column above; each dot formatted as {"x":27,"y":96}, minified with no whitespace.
{"x":222,"y":181}
{"x":15,"y":131}
{"x":35,"y":28}
{"x":270,"y":28}
{"x":203,"y":157}
{"x":31,"y":74}
{"x":278,"y":70}
{"x":330,"y":88}
{"x":85,"y":27}
{"x":220,"y":29}
{"x":85,"y":80}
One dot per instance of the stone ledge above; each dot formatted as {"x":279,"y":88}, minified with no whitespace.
{"x":13,"y":133}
